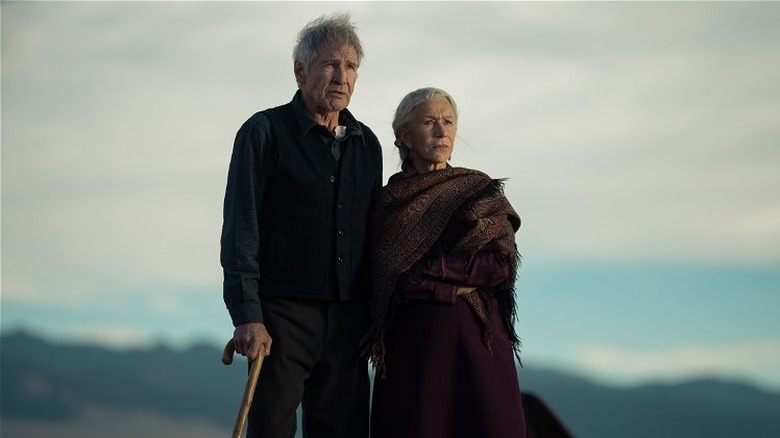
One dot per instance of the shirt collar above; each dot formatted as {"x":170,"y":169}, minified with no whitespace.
{"x":307,"y":123}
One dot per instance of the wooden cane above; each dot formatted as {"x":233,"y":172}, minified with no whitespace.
{"x":249,"y":390}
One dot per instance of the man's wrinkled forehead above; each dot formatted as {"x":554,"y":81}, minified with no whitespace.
{"x":336,"y":52}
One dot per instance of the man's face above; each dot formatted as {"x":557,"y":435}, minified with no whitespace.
{"x":328,"y":84}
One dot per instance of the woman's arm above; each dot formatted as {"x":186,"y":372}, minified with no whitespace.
{"x":450,"y":275}
{"x":483,"y":269}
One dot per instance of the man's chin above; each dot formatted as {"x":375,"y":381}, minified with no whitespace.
{"x":337,"y":104}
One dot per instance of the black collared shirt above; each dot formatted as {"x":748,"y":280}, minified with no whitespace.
{"x":294,"y":215}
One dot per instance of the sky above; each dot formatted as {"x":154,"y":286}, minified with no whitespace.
{"x":640,"y":141}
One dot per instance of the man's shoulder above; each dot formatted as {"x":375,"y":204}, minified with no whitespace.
{"x":257,"y":119}
{"x":368,"y":135}
{"x":364,"y":127}
{"x":262,"y":118}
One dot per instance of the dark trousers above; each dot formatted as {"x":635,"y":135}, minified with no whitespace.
{"x":315,"y":361}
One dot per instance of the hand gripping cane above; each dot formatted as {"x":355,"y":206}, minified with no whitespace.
{"x":249,"y":391}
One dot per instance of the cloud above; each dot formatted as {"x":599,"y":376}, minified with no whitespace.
{"x":119,"y":336}
{"x":628,"y":130}
{"x":760,"y":359}
{"x":620,"y":138}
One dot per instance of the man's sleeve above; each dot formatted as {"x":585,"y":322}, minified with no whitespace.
{"x":250,"y":166}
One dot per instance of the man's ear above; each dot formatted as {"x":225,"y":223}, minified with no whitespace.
{"x":300,"y":73}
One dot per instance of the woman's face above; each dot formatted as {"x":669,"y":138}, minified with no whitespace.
{"x":430,"y":135}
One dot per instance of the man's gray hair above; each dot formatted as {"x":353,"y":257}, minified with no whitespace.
{"x":403,"y":114}
{"x":324,"y":31}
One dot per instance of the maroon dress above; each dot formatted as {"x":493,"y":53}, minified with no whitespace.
{"x":441,"y":378}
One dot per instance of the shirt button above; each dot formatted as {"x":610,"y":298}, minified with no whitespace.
{"x":340,"y":259}
{"x":332,"y":178}
{"x":341,"y":232}
{"x":340,"y":205}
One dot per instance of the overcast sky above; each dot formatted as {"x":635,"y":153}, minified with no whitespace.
{"x":641,"y":142}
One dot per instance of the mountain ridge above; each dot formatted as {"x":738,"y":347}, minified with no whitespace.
{"x":44,"y":381}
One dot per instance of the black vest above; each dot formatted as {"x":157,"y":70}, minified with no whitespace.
{"x":314,"y":211}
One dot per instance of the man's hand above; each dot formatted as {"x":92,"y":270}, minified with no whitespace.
{"x":249,"y":338}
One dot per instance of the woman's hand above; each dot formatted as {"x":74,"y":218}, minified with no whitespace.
{"x":367,"y":341}
{"x":463,"y":290}
{"x":432,"y":267}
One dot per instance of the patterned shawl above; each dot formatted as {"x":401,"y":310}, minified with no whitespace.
{"x":407,"y":220}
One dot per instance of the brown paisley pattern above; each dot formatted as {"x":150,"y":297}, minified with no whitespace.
{"x":408,"y":218}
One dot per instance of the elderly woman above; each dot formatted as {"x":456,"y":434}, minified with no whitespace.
{"x":443,"y":264}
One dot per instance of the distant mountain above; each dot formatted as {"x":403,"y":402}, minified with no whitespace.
{"x":697,"y":408}
{"x":69,"y":390}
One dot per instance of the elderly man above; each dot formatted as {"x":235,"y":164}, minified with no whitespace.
{"x":299,"y":189}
